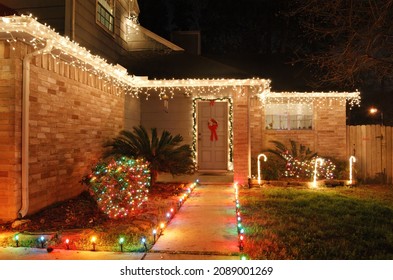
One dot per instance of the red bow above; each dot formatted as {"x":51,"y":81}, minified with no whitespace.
{"x":213,"y":129}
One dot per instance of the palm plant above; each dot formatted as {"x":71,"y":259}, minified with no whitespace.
{"x":299,"y":152}
{"x":164,"y":154}
{"x":297,"y":158}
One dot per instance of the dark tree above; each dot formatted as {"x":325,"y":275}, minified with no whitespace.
{"x":349,"y":41}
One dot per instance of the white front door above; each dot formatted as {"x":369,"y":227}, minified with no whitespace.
{"x":212,"y":133}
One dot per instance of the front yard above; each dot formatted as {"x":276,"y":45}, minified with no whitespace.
{"x":325,"y":223}
{"x":78,"y":220}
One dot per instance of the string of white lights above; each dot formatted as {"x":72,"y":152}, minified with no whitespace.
{"x":28,"y":30}
{"x":317,"y":99}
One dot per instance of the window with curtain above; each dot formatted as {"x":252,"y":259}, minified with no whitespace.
{"x":288,"y":116}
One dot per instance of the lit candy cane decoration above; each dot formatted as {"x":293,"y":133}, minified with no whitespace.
{"x":259,"y":166}
{"x":352,"y":159}
{"x":320,"y":161}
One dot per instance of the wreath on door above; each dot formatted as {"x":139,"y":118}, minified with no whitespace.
{"x":213,"y":125}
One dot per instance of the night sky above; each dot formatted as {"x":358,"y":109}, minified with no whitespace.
{"x":257,"y":36}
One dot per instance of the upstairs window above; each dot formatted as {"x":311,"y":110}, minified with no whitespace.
{"x":105,"y":14}
{"x":288,"y":116}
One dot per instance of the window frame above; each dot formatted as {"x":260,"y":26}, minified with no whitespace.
{"x":106,"y":17}
{"x":286,"y":120}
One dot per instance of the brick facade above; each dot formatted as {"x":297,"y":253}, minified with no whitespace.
{"x":241,"y":137}
{"x":71,"y":115}
{"x":328,"y":137}
{"x":10,"y":133}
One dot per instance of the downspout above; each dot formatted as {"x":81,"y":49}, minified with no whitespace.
{"x":25,"y":126}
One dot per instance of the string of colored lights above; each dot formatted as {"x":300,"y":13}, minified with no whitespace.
{"x":157,"y":230}
{"x":239,"y":225}
{"x":170,"y":214}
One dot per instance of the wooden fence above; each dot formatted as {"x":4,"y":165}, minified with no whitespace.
{"x":372,"y":147}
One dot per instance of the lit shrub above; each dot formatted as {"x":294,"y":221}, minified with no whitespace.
{"x":120,"y":186}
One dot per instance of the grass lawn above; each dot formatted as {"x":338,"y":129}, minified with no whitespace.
{"x":325,"y":224}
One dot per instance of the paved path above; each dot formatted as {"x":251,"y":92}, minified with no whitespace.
{"x":206,"y":224}
{"x":203,"y":229}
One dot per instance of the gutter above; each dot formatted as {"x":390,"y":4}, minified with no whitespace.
{"x":25,"y":126}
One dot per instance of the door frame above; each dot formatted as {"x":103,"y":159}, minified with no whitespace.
{"x":229,"y":101}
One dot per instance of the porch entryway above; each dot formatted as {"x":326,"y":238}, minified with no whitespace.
{"x":212,"y":136}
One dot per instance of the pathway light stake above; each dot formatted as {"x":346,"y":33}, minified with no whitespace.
{"x":67,"y":242}
{"x":154,"y":235}
{"x":93,"y":242}
{"x":239,"y":227}
{"x":121,"y":241}
{"x":352,"y":159}
{"x":162,"y":226}
{"x":259,"y":166}
{"x":320,"y":161}
{"x":144,"y":243}
{"x":241,"y":242}
{"x":17,"y":240}
{"x":42,"y":240}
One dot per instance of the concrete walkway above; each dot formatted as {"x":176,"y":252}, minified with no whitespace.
{"x":203,"y":229}
{"x":206,"y":224}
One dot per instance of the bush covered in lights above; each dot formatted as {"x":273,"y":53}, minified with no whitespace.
{"x":120,"y":186}
{"x":305,"y":169}
{"x":299,"y":161}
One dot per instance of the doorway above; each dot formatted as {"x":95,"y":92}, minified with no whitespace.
{"x":212,"y":135}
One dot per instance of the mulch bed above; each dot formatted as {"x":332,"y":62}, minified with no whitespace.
{"x":82,"y":212}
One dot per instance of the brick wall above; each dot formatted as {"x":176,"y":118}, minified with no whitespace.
{"x":241,"y":137}
{"x":328,"y":137}
{"x":10,"y":131}
{"x":71,"y":115}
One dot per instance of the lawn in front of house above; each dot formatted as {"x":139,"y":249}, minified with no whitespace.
{"x":324,"y":223}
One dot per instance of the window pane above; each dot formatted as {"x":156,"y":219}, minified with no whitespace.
{"x":288,"y":116}
{"x":105,"y":13}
